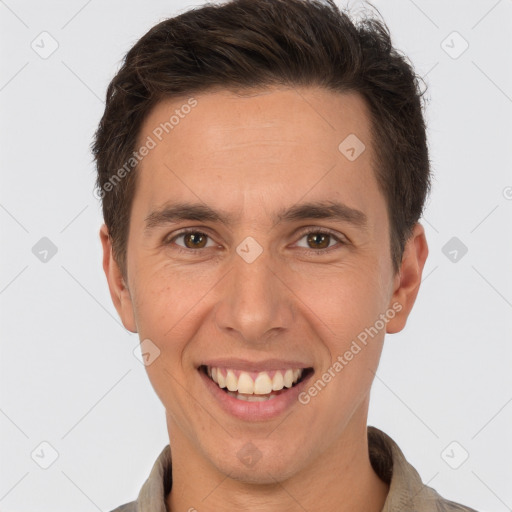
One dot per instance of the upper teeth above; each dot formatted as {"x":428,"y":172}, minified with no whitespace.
{"x":262,"y":383}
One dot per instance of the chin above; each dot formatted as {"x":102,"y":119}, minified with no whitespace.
{"x":252,"y":465}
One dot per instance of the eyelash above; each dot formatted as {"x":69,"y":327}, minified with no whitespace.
{"x":316,"y":231}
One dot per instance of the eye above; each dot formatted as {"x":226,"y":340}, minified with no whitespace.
{"x":192,"y":239}
{"x":319,"y":240}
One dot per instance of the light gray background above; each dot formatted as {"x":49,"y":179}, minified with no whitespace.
{"x":68,"y":373}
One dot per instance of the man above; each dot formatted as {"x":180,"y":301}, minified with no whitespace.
{"x":263,"y":166}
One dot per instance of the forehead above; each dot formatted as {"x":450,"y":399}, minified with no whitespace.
{"x":289,"y":141}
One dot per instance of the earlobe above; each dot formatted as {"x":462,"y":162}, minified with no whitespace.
{"x":119,"y":291}
{"x":408,"y":279}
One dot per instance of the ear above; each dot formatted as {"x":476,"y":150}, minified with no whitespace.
{"x":118,"y":289}
{"x":408,"y":279}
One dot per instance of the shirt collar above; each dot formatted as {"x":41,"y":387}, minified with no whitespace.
{"x":406,"y":490}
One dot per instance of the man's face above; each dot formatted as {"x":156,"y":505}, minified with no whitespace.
{"x":262,"y":289}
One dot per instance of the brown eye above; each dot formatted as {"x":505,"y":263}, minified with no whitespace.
{"x":195,"y":240}
{"x":318,"y":240}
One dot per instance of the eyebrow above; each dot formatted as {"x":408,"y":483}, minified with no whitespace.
{"x":171,"y":213}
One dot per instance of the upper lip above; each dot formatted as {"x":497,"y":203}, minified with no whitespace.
{"x":256,"y":366}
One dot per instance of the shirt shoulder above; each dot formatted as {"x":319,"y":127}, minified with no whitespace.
{"x":407,"y":492}
{"x":432,"y":501}
{"x":156,"y":487}
{"x":127,"y":507}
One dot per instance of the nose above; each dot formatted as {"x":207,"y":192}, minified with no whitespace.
{"x":256,"y":303}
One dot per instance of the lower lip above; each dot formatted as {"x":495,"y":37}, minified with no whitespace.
{"x":254,"y":411}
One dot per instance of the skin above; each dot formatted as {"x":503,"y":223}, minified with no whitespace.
{"x":252,"y":156}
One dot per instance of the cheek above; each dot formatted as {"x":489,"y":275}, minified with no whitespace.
{"x":168,"y":313}
{"x":167,"y":299}
{"x":344,"y":308}
{"x":341,"y":301}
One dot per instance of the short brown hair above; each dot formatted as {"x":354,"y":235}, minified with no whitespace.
{"x":247,"y":44}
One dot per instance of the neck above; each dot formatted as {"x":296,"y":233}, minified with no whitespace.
{"x":340,"y":479}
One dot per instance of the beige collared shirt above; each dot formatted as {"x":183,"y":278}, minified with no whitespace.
{"x":407,"y":493}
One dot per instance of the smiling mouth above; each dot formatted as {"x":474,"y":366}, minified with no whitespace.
{"x":255,"y":386}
